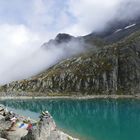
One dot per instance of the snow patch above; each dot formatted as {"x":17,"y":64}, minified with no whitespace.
{"x":132,"y":25}
{"x":118,"y":30}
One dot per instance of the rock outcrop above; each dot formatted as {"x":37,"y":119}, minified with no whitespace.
{"x":113,"y":69}
{"x":44,"y":129}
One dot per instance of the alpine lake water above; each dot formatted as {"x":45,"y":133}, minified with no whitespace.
{"x":92,"y":119}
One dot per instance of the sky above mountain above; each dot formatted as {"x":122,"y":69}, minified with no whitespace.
{"x":77,"y":17}
{"x":26,"y":24}
{"x":45,"y":18}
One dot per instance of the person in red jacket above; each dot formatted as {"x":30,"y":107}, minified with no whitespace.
{"x":30,"y":126}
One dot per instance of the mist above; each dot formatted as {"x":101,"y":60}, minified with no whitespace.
{"x":95,"y":16}
{"x":26,"y":25}
{"x":31,"y":58}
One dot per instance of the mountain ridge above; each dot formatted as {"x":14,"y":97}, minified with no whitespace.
{"x":112,"y":69}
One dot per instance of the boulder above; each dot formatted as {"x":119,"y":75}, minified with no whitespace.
{"x":46,"y":130}
{"x":2,"y":139}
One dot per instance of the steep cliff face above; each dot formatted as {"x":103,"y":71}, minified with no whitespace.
{"x":113,"y":69}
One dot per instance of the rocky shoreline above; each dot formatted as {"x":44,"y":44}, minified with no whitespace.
{"x":16,"y":127}
{"x":4,"y":96}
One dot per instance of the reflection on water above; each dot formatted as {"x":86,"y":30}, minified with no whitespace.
{"x":98,"y":119}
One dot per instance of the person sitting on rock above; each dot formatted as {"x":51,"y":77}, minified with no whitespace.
{"x":42,"y":115}
{"x":9,"y":115}
{"x":13,"y":124}
{"x":1,"y":110}
{"x":30,"y":126}
{"x":45,"y":115}
{"x":5,"y":112}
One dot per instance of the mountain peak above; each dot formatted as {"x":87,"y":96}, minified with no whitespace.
{"x":63,"y":37}
{"x":60,"y":38}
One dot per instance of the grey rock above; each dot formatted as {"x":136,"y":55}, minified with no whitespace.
{"x":46,"y":130}
{"x":113,"y":69}
{"x":2,"y":139}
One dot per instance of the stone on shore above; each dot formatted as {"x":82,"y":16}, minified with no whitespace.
{"x":44,"y":129}
{"x":16,"y":135}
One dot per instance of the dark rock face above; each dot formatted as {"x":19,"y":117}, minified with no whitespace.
{"x":60,"y":38}
{"x":114,"y":69}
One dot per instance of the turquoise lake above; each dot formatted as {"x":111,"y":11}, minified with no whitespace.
{"x":94,"y":119}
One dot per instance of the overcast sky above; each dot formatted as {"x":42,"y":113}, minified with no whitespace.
{"x":26,"y":24}
{"x":45,"y":18}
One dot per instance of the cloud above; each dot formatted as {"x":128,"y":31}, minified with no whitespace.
{"x":93,"y":15}
{"x":16,"y":43}
{"x":25,"y":25}
{"x":128,"y":10}
{"x":77,"y":17}
{"x":22,"y":56}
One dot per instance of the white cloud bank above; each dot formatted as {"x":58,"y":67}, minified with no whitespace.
{"x":26,"y":25}
{"x":95,"y":15}
{"x":22,"y":56}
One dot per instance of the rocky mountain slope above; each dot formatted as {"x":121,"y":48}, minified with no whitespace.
{"x":111,"y":69}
